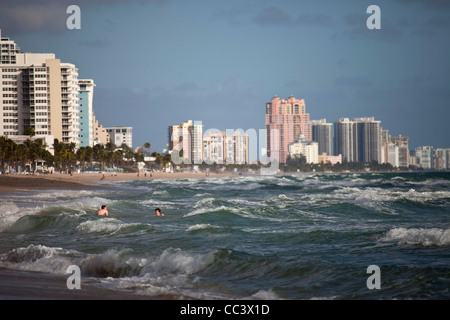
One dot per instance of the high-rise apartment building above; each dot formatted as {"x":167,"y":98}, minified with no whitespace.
{"x":187,"y":139}
{"x":343,"y":139}
{"x":285,"y":120}
{"x":121,"y":135}
{"x":237,"y":148}
{"x":214,"y":147}
{"x":322,"y":133}
{"x":424,"y":155}
{"x":69,"y":103}
{"x":225,"y":147}
{"x":38,"y":91}
{"x":358,"y":140}
{"x":86,"y":112}
{"x":403,"y":150}
{"x":367,"y":139}
{"x":442,"y":159}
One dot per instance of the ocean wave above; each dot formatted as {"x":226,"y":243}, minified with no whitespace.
{"x":201,"y":226}
{"x":418,"y":236}
{"x":39,"y":258}
{"x":111,"y":263}
{"x":10,"y":213}
{"x":212,"y":209}
{"x":370,"y":195}
{"x":106,"y":225}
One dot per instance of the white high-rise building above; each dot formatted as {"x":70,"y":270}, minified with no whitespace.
{"x":307,"y":148}
{"x":69,"y":103}
{"x":225,"y":147}
{"x":187,"y":139}
{"x":442,"y":159}
{"x":425,"y":157}
{"x":38,"y":91}
{"x":86,"y":112}
{"x":121,"y":135}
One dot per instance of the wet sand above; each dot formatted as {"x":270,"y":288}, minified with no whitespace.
{"x":81,"y":181}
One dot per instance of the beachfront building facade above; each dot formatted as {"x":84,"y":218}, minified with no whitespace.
{"x":100,"y":135}
{"x":442,"y":159}
{"x":403,"y":149}
{"x":285,"y":120}
{"x":367,"y":139}
{"x":69,"y":103}
{"x":308,"y":148}
{"x":237,"y":147}
{"x":322,"y":133}
{"x":121,"y":135}
{"x":86,"y":112}
{"x":424,"y":156}
{"x":187,"y":139}
{"x":225,"y":147}
{"x":358,"y":140}
{"x":42,"y":93}
{"x":214,"y":147}
{"x":325,"y":158}
{"x":343,"y":139}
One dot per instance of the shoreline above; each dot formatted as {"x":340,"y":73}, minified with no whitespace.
{"x":81,"y":181}
{"x":91,"y":181}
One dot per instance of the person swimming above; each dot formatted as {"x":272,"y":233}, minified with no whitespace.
{"x":103,"y":211}
{"x":158,"y":212}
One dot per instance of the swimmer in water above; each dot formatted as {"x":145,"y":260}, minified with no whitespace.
{"x":158,"y":212}
{"x":103,"y":211}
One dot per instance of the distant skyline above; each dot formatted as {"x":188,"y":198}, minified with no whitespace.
{"x":157,"y":63}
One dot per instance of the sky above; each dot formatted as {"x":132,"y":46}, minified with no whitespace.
{"x":157,"y":63}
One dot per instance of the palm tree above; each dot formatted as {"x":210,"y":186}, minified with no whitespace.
{"x":147,"y":145}
{"x":29,"y":131}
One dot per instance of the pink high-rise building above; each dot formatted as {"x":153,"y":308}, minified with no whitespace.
{"x":285,"y":120}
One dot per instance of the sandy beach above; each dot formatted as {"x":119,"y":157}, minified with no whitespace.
{"x":80,"y":181}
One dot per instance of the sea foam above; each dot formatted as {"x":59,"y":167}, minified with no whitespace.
{"x":418,"y":236}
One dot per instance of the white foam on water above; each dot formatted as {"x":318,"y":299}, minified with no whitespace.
{"x":418,"y":236}
{"x":102,"y":225}
{"x":201,"y":226}
{"x":212,"y":209}
{"x":177,"y":261}
{"x":264,"y":295}
{"x":38,"y":258}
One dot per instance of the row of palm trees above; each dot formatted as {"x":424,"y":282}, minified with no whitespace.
{"x":15,"y":157}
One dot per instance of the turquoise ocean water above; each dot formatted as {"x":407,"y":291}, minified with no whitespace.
{"x":305,"y":236}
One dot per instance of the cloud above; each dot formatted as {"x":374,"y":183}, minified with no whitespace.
{"x":355,"y":28}
{"x":430,"y":4}
{"x":49,"y":16}
{"x":273,"y":16}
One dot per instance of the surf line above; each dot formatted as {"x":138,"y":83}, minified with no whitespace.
{"x":197,"y":310}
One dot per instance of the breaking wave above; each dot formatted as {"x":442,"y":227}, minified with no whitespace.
{"x":418,"y":236}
